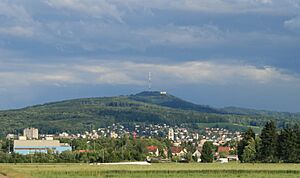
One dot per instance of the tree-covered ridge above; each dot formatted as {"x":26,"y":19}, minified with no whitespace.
{"x":79,"y":115}
{"x":244,"y":111}
{"x":154,"y":97}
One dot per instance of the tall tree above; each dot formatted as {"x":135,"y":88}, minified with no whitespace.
{"x":297,"y":130}
{"x":207,"y":153}
{"x":288,"y":145}
{"x":268,"y":147}
{"x":249,"y":153}
{"x":247,"y":136}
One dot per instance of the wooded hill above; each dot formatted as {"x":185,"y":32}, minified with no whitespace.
{"x":79,"y":115}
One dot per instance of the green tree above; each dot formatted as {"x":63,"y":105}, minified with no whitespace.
{"x":247,"y":136}
{"x":207,"y":153}
{"x":268,"y":147}
{"x":288,"y":149}
{"x":297,"y":130}
{"x":67,"y":156}
{"x":188,"y":157}
{"x":223,"y":154}
{"x":249,"y":153}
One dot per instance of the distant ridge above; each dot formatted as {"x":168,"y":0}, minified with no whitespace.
{"x":78,"y":115}
{"x":155,"y":97}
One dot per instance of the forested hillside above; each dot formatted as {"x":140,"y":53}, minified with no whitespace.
{"x":147,"y":107}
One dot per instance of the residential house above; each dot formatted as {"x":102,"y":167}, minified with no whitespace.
{"x":178,"y":151}
{"x":153,"y":150}
{"x":197,"y":155}
{"x":224,"y":149}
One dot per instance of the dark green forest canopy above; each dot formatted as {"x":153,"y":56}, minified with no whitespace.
{"x":147,"y":107}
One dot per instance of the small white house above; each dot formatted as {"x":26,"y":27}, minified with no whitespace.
{"x":163,"y":93}
{"x":233,"y":157}
{"x":197,"y":155}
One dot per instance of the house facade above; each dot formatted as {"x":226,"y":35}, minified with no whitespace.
{"x":153,"y":150}
{"x":25,"y":147}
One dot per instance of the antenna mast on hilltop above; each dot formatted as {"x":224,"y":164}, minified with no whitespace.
{"x":149,"y":81}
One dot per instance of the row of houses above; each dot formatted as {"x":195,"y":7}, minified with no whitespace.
{"x":181,"y":152}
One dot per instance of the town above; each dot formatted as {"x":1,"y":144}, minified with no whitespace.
{"x":183,"y":141}
{"x":151,"y":143}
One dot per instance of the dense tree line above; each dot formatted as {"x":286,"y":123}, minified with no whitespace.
{"x":86,"y":151}
{"x":272,"y":145}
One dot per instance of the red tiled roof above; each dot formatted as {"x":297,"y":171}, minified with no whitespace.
{"x":176,"y":149}
{"x":152,"y":148}
{"x":223,"y":149}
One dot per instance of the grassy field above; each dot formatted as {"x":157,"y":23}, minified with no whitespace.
{"x":182,"y":170}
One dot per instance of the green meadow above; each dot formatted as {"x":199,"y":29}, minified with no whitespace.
{"x":180,"y":170}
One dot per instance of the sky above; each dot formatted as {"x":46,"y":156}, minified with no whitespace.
{"x":243,"y":53}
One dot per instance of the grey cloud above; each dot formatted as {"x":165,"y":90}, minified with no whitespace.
{"x":97,"y":9}
{"x":183,"y":36}
{"x":85,"y":26}
{"x":17,"y":31}
{"x":79,"y":28}
{"x":293,"y":24}
{"x":119,"y":9}
{"x":14,"y":11}
{"x":219,"y":6}
{"x":119,"y":73}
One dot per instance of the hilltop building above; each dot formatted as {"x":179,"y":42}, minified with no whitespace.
{"x":25,"y":147}
{"x":31,"y":133}
{"x":163,"y":93}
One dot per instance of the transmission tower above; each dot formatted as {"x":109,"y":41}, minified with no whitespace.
{"x":149,"y":81}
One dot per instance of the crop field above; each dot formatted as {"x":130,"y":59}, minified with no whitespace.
{"x":158,"y":170}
